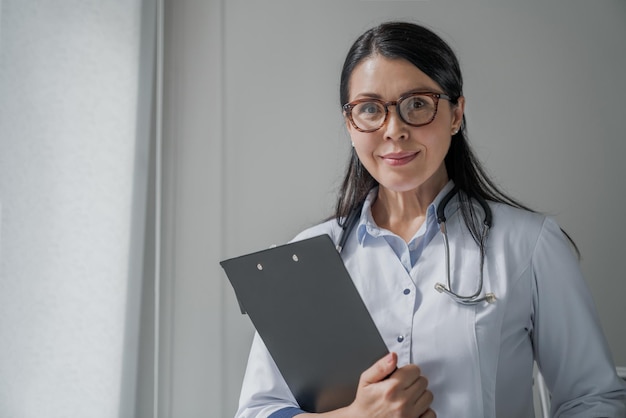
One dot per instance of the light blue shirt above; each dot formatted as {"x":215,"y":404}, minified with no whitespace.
{"x":478,"y":359}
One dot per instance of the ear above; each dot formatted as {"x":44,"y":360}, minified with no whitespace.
{"x":457,"y":113}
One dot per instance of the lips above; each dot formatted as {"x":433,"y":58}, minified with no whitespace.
{"x":399,"y":158}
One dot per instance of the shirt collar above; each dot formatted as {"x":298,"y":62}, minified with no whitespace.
{"x":367,"y":225}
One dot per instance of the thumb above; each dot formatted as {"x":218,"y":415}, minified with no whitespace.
{"x":380,"y":370}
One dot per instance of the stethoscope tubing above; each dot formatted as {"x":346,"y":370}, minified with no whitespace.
{"x":355,"y":214}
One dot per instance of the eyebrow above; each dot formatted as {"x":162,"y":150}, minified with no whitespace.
{"x":368,"y":95}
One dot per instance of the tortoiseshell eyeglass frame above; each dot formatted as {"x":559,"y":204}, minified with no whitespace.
{"x":347,"y":108}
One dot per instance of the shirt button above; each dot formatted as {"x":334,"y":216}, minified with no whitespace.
{"x":407,"y":291}
{"x":400,"y":338}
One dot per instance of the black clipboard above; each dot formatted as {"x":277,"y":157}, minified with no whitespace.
{"x":304,"y":305}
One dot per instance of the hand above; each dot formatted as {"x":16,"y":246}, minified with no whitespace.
{"x":387,"y":392}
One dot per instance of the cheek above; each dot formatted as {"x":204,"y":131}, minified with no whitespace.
{"x":437,"y":140}
{"x":436,"y":136}
{"x":363,"y":145}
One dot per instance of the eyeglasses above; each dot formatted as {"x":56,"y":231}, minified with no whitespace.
{"x":415,"y":109}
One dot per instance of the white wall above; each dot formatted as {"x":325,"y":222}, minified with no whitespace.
{"x":75,"y":103}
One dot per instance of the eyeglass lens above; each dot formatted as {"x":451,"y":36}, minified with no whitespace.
{"x":415,"y":110}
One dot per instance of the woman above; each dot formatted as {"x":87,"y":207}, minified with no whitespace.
{"x":513,"y":294}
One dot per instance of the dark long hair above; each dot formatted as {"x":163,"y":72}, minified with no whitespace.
{"x":434,"y":57}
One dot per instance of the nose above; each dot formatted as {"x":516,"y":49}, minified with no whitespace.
{"x":395,"y":128}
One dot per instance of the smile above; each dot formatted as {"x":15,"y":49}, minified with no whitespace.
{"x":399,"y":158}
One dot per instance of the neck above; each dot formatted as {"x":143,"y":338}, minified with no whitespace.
{"x":403,"y":213}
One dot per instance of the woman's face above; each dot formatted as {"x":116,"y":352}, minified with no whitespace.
{"x":401,"y":157}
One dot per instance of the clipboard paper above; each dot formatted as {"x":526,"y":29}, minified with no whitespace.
{"x":304,"y":305}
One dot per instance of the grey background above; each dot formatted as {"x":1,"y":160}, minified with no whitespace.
{"x":544,"y":86}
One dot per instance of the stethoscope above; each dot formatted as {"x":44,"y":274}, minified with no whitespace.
{"x":355,"y":215}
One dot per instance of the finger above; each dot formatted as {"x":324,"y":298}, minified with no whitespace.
{"x":429,"y":414}
{"x":418,"y":388}
{"x":380,"y":370}
{"x":423,"y":402}
{"x":408,"y":375}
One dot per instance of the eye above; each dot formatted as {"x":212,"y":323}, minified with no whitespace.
{"x":368,"y":108}
{"x":417,"y":102}
{"x":418,"y":109}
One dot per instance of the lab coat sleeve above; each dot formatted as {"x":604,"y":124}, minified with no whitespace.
{"x":264,"y":391}
{"x":570,"y":347}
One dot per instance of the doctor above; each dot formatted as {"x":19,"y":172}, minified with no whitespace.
{"x":465,"y":307}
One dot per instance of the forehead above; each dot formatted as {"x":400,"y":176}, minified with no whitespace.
{"x":377,"y":76}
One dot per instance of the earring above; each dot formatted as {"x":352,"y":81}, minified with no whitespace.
{"x":352,"y":144}
{"x":455,"y":131}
